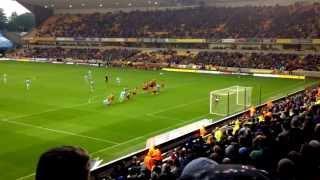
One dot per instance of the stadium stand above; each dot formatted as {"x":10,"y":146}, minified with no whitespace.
{"x":272,"y":28}
{"x":294,"y":21}
{"x":77,"y":54}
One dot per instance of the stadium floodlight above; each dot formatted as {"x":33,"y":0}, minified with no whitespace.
{"x":230,"y":100}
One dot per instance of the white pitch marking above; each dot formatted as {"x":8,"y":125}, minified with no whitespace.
{"x":149,"y":134}
{"x":27,"y":176}
{"x":50,"y":110}
{"x":57,"y":131}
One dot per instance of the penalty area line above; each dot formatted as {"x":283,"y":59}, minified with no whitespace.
{"x":51,"y":110}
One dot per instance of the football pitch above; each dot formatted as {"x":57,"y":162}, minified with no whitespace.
{"x":59,"y":109}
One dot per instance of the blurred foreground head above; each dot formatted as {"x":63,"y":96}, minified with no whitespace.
{"x":63,"y":163}
{"x":206,"y":169}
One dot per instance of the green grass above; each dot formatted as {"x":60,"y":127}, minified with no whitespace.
{"x":55,"y":111}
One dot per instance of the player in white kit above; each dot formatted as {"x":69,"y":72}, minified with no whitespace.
{"x":4,"y":78}
{"x":28,"y":84}
{"x":118,"y":80}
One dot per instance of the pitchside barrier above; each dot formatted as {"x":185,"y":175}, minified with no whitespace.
{"x":241,"y":73}
{"x":104,"y":170}
{"x":297,"y":74}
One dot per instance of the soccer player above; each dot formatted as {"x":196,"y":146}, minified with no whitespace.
{"x":90,"y":74}
{"x":158,"y":86}
{"x":145,"y":86}
{"x":4,"y":78}
{"x":118,"y":80}
{"x":122,"y":96}
{"x":128,"y":94}
{"x":91,"y":85}
{"x":28,"y":84}
{"x":152,"y":83}
{"x":134,"y":91}
{"x":106,"y":78}
{"x":108,"y":101}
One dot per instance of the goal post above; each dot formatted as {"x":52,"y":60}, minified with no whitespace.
{"x":230,"y":100}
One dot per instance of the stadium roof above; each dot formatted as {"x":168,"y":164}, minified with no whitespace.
{"x":98,"y":4}
{"x":5,"y":43}
{"x":112,"y":4}
{"x":42,"y":9}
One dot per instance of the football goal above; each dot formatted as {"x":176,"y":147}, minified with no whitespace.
{"x":230,"y":100}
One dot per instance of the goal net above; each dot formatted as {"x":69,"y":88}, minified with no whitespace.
{"x":230,"y":100}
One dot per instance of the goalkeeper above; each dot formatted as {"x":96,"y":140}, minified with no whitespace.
{"x":216,"y":99}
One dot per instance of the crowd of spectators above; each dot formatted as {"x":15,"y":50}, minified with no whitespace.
{"x":273,"y":61}
{"x":294,"y":21}
{"x":76,"y":54}
{"x":279,"y":141}
{"x":163,"y":56}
